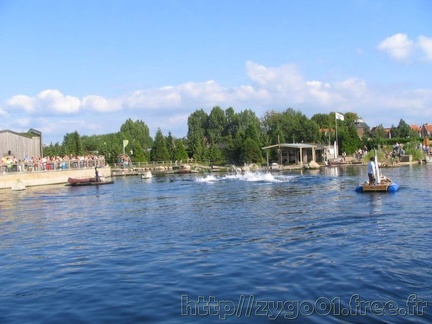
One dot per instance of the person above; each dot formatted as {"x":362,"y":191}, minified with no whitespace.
{"x":96,"y":174}
{"x":371,"y":168}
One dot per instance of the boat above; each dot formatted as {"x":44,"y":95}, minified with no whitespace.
{"x":75,"y":182}
{"x":146,"y":175}
{"x":336,"y":162}
{"x":18,"y":186}
{"x":383,"y":184}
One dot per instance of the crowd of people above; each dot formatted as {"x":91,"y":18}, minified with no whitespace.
{"x":12,"y":164}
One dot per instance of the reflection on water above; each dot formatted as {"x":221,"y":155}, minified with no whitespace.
{"x":130,"y":251}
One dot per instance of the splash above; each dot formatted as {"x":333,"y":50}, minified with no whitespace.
{"x":246,"y":176}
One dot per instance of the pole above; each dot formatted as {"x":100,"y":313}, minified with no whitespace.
{"x":336,"y":139}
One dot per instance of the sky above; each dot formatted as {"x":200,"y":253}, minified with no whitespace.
{"x":89,"y":65}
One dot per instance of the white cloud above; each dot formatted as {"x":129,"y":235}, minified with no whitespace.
{"x":398,"y":46}
{"x":55,"y":114}
{"x":276,"y":78}
{"x":21,"y":102}
{"x":54,"y":100}
{"x":425,"y":44}
{"x":101,"y":104}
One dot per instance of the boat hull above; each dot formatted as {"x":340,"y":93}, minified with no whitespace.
{"x":91,"y":183}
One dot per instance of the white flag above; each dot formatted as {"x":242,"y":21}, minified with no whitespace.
{"x":340,"y":116}
{"x":125,"y":143}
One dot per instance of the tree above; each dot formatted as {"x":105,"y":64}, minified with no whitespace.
{"x":159,"y":151}
{"x":171,"y":147}
{"x":180,"y":152}
{"x":137,"y":132}
{"x":217,"y":123}
{"x":197,"y":125}
{"x":251,"y":152}
{"x":72,"y":144}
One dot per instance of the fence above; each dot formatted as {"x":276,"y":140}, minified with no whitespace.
{"x":41,"y":165}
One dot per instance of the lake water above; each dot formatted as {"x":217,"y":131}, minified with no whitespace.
{"x":240,"y":248}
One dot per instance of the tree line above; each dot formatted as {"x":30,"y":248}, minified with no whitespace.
{"x":226,"y":136}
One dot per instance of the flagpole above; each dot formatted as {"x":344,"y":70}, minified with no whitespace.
{"x":337,"y":145}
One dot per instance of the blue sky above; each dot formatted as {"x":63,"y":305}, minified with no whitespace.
{"x":90,"y":65}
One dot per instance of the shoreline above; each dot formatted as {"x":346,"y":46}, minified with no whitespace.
{"x":42,"y":178}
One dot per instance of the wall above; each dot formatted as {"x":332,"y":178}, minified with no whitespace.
{"x":40,"y":178}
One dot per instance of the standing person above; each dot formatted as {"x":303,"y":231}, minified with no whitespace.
{"x":371,"y":169}
{"x":96,"y":174}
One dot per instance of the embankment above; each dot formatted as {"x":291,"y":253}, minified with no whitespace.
{"x":9,"y":180}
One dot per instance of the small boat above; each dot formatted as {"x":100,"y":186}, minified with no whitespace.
{"x":75,"y":182}
{"x":146,"y":175}
{"x":337,"y":162}
{"x":383,"y":184}
{"x":18,"y":186}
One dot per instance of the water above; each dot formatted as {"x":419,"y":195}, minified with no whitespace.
{"x":239,"y":248}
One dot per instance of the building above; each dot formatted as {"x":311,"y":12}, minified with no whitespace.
{"x":426,"y":130}
{"x":361,"y":127}
{"x":295,"y":153}
{"x":21,"y":145}
{"x":416,"y":129}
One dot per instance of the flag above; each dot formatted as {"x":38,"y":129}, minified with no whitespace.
{"x":339,"y":116}
{"x":125,"y":143}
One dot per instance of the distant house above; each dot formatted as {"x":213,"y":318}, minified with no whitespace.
{"x":416,"y":129}
{"x":426,"y":130}
{"x":21,"y":145}
{"x":361,"y":127}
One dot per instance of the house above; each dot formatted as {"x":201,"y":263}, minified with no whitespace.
{"x":416,"y":129}
{"x":361,"y":127}
{"x":294,"y":153}
{"x":21,"y":145}
{"x":426,"y":130}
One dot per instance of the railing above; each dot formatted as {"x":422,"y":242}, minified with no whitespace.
{"x":154,"y":164}
{"x":29,"y":166}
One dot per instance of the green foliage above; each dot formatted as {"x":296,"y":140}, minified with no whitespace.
{"x":180,"y":153}
{"x":251,"y":152}
{"x":72,"y":144}
{"x":159,"y":151}
{"x":412,"y":148}
{"x":233,"y":137}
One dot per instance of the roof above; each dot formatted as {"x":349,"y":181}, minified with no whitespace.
{"x":428,"y":127}
{"x":292,"y":145}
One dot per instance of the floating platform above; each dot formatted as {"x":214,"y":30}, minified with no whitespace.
{"x":380,"y":187}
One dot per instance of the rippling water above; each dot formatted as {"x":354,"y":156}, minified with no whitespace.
{"x":245,"y":248}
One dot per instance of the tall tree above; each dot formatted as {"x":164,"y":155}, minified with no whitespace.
{"x":180,"y":152}
{"x":72,"y":144}
{"x":217,"y":123}
{"x":197,"y":125}
{"x":159,"y":151}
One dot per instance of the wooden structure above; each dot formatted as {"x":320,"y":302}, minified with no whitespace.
{"x":293,"y":153}
{"x":385,"y":186}
{"x":21,"y":145}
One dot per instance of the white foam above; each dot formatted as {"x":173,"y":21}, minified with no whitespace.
{"x":247,"y":176}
